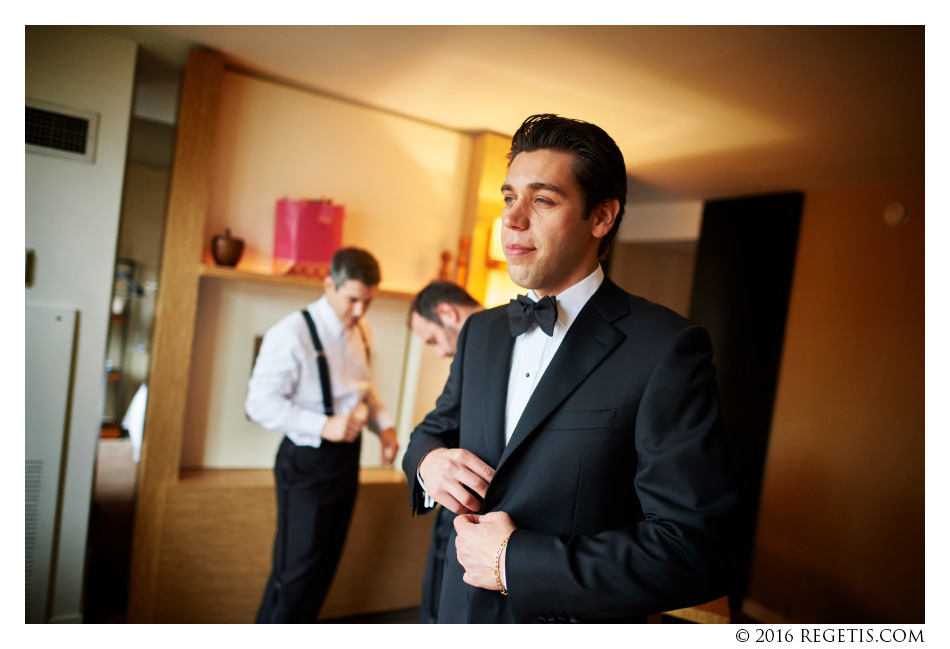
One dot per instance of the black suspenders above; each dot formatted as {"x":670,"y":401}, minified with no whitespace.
{"x":322,"y":366}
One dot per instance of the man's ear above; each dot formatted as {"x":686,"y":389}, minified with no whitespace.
{"x":448,"y":314}
{"x":328,"y":284}
{"x":603,"y":217}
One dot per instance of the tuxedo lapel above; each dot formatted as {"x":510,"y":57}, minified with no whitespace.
{"x":497,"y":364}
{"x":589,"y":340}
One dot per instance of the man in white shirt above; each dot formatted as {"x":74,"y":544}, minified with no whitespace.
{"x":312,"y":381}
{"x":578,"y":436}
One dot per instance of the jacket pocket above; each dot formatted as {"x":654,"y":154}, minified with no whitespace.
{"x":581,"y":419}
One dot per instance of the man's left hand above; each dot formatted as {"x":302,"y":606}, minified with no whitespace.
{"x":478,"y":540}
{"x":390,"y":445}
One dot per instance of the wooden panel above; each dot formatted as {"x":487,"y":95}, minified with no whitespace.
{"x":216,"y":548}
{"x":383,"y":563}
{"x":176,"y":303}
{"x":841,"y":524}
{"x":714,"y":612}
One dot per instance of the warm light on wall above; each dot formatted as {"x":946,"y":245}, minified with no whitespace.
{"x":483,"y":205}
{"x":499,"y":288}
{"x":495,"y":251}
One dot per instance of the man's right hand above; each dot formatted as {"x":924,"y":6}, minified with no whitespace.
{"x":345,"y":428}
{"x":446,"y":472}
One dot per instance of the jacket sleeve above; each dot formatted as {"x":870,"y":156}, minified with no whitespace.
{"x":439,"y":428}
{"x":679,"y":554}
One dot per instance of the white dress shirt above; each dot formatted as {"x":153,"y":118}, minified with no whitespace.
{"x":284,"y":392}
{"x":534,"y":349}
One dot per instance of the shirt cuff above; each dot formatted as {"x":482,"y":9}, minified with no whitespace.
{"x":310,"y":431}
{"x":382,"y":420}
{"x":427,"y":501}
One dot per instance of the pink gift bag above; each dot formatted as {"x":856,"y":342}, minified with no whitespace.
{"x":306,"y":234}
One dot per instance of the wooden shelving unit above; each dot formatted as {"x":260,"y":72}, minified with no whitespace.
{"x":231,"y":478}
{"x":202,"y":537}
{"x":260,"y":277}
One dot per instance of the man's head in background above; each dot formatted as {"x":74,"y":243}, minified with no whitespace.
{"x":352,"y":284}
{"x":438,"y":313}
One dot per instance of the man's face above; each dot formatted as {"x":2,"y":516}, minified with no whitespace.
{"x":443,"y":337}
{"x":350,"y":301}
{"x":548,"y":244}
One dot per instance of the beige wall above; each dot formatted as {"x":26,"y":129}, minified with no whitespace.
{"x":402,"y":184}
{"x":659,"y":271}
{"x":660,"y":222}
{"x":841,"y":525}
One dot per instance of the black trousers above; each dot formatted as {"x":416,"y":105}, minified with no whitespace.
{"x":435,"y":561}
{"x":316,"y":490}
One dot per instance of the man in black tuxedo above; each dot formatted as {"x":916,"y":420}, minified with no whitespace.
{"x":578,"y":435}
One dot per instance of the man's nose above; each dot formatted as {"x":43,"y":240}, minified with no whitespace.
{"x":514,"y":216}
{"x":358,"y":310}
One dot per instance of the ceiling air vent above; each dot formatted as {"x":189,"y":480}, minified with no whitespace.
{"x":61,"y":131}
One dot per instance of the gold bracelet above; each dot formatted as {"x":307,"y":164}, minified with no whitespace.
{"x":501,"y":548}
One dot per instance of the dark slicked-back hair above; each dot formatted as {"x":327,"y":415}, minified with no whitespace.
{"x":431,"y":296}
{"x":599,"y":168}
{"x":354,"y":263}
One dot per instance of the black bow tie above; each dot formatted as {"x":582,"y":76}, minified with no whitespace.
{"x":522,"y":313}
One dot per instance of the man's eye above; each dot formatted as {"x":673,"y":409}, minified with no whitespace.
{"x":509,"y":200}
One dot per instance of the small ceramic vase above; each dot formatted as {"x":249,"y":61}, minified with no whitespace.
{"x":225,"y":249}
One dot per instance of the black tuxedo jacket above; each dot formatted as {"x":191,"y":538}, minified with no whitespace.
{"x":616,"y":474}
